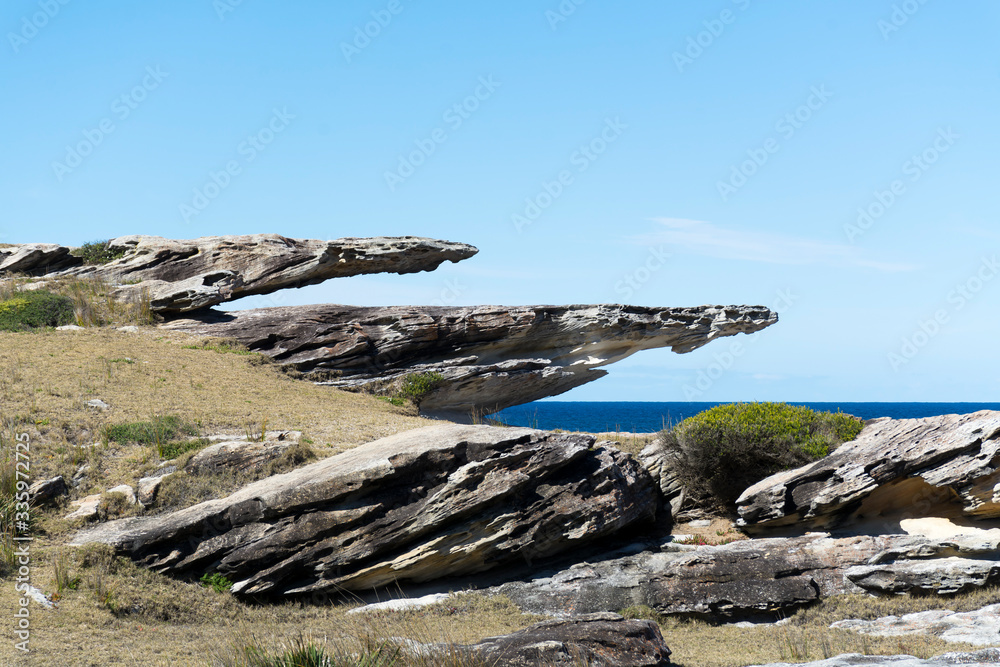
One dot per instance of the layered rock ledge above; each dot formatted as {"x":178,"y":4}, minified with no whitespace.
{"x":184,"y":275}
{"x":440,"y":501}
{"x":488,"y":357}
{"x":896,"y":470}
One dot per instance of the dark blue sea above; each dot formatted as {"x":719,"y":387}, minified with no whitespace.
{"x":636,"y":417}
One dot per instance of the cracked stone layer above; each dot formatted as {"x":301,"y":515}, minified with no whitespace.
{"x":896,"y":469}
{"x":436,"y":502}
{"x":185,"y":275}
{"x":489,"y":357}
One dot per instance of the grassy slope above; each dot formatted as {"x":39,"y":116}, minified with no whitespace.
{"x":121,"y":614}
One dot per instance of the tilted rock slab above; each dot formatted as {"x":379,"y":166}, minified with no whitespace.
{"x":598,"y":640}
{"x":742,"y":579}
{"x":979,"y":628}
{"x":180,"y":276}
{"x":35,"y":258}
{"x":946,"y":466}
{"x":417,"y":506}
{"x":985,"y":658}
{"x":490,"y":357}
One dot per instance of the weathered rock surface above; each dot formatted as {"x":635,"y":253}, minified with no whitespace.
{"x":947,"y":466}
{"x":86,"y":508}
{"x":599,"y":640}
{"x":489,"y":357}
{"x":661,"y":464}
{"x":418,"y":506}
{"x":979,"y":628}
{"x":741,"y":579}
{"x":242,"y":454}
{"x":180,"y":276}
{"x":985,"y":658}
{"x":942,"y":576}
{"x":36,"y":258}
{"x":46,"y":490}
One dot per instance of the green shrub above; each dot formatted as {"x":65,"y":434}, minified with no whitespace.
{"x":160,"y":431}
{"x":728,"y":448}
{"x":416,"y":386}
{"x":97,"y":252}
{"x":216,"y":581}
{"x":35,"y":309}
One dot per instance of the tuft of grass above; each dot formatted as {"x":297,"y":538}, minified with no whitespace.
{"x":216,"y":581}
{"x":177,"y":448}
{"x":35,"y":309}
{"x":728,"y":448}
{"x":8,"y":510}
{"x":97,"y":252}
{"x":159,"y":431}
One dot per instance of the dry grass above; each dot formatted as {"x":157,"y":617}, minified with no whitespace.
{"x":112,"y":612}
{"x":49,"y":376}
{"x":121,"y":614}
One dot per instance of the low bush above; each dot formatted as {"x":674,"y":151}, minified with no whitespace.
{"x":35,"y":309}
{"x":728,"y":448}
{"x":416,"y":386}
{"x":97,"y":252}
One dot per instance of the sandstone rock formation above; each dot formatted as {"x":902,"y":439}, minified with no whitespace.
{"x":980,"y":627}
{"x":947,"y":466}
{"x":242,"y":454}
{"x":598,"y":640}
{"x":441,"y":501}
{"x":180,"y":276}
{"x":35,"y":258}
{"x":748,"y":578}
{"x":488,"y":357}
{"x":985,"y":658}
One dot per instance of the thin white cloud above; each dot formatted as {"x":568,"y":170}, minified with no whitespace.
{"x":697,"y":237}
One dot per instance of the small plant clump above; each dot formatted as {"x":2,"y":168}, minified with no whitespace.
{"x":416,"y":386}
{"x":162,"y":432}
{"x":217,"y":582}
{"x":35,"y":309}
{"x":728,"y":448}
{"x":97,"y":252}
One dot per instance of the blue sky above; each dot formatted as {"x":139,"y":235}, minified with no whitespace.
{"x":655,"y":153}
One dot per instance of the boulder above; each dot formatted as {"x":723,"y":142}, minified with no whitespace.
{"x":896,"y":469}
{"x":599,"y":640}
{"x":242,"y":454}
{"x":979,"y":628}
{"x":35,"y":258}
{"x":756,"y":578}
{"x":421,"y":505}
{"x":148,"y":489}
{"x":483,"y":358}
{"x":942,"y":576}
{"x":181,"y":275}
{"x":46,"y":490}
{"x":985,"y":658}
{"x":86,"y":508}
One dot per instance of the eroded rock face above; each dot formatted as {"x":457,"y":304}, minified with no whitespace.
{"x":750,"y":578}
{"x":980,"y":627}
{"x":599,"y":640}
{"x":36,"y":258}
{"x":488,"y":357}
{"x":441,"y":501}
{"x":985,"y":658}
{"x":947,"y":466}
{"x":180,"y":276}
